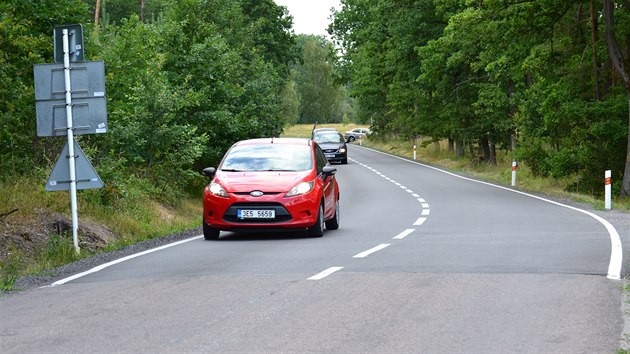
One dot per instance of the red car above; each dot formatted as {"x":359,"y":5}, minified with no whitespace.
{"x":271,"y":184}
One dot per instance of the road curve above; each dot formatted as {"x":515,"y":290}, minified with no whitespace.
{"x":424,"y":261}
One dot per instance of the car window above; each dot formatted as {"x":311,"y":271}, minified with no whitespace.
{"x":268,"y":157}
{"x":328,"y":138}
{"x":320,"y":159}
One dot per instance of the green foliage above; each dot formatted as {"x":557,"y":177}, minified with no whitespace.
{"x":60,"y":251}
{"x":320,"y":97}
{"x":182,"y":86}
{"x":26,"y":39}
{"x":491,"y":74}
{"x":10,"y":269}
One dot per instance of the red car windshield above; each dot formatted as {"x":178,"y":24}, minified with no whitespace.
{"x":268,"y":157}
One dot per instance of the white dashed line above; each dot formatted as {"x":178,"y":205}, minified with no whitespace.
{"x":420,"y":221}
{"x":371,"y":250}
{"x":425,"y":212}
{"x":404,"y":234}
{"x":325,"y":273}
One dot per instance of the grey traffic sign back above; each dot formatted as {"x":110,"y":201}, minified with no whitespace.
{"x":75,"y":42}
{"x":89,"y":105}
{"x":86,"y":175}
{"x":87,"y":80}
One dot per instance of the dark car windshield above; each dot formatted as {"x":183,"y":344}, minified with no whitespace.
{"x":268,"y":157}
{"x":328,"y":138}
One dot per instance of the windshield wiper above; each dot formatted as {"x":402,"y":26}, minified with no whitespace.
{"x":232,"y":170}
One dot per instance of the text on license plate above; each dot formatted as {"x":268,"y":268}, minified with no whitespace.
{"x":330,"y":155}
{"x":255,"y":214}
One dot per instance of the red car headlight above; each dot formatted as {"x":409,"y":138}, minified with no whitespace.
{"x":301,"y":188}
{"x":217,"y":190}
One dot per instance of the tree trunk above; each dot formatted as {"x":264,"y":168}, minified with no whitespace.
{"x":459,"y":150}
{"x":617,"y":60}
{"x":594,"y":24}
{"x":489,"y":150}
{"x":512,"y":115}
{"x":97,"y":13}
{"x":142,"y":10}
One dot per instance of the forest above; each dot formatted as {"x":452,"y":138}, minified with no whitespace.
{"x":545,"y":81}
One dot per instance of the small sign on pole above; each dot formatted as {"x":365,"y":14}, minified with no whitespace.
{"x":514,"y":166}
{"x":608,"y":189}
{"x":75,"y":42}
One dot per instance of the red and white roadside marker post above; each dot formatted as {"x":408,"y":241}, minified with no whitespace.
{"x":514,"y":165}
{"x":414,"y":152}
{"x":608,"y":189}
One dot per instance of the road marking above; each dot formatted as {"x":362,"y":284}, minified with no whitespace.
{"x":425,"y":212}
{"x":103,"y":266}
{"x":404,"y":234}
{"x":325,"y":273}
{"x":420,"y":221}
{"x":415,"y":195}
{"x":371,"y":250}
{"x":421,"y":200}
{"x":616,"y":248}
{"x":425,"y":205}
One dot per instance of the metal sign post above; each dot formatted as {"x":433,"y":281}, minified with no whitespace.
{"x":54,"y":94}
{"x":71,"y":156}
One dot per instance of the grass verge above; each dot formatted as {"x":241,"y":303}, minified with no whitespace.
{"x":34,"y":235}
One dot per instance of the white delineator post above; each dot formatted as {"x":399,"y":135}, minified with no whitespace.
{"x":514,"y":165}
{"x":608,"y":189}
{"x":414,"y":152}
{"x":70,"y":131}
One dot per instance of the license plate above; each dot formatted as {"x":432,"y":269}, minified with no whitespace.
{"x":255,"y":214}
{"x":330,"y":155}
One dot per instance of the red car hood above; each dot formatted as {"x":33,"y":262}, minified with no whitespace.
{"x":264,"y":181}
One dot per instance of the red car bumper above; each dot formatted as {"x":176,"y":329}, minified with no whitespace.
{"x":297,"y":212}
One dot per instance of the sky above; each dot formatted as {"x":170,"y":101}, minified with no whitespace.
{"x":310,"y":16}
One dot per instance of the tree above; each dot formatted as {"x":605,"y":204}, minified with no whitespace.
{"x":622,"y":66}
{"x":320,"y":97}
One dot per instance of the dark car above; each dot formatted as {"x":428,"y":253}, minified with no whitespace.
{"x":269,"y":185}
{"x":322,"y":131}
{"x":333,"y":145}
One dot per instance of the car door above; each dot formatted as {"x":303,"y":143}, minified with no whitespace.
{"x":328,"y":188}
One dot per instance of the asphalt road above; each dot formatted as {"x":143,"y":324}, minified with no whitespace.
{"x":424,"y":261}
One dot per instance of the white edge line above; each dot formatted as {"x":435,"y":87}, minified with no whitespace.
{"x":616,"y":249}
{"x":404,"y":234}
{"x":120,"y":260}
{"x":325,"y":273}
{"x":371,"y":250}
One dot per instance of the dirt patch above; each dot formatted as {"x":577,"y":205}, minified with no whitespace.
{"x":29,"y":236}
